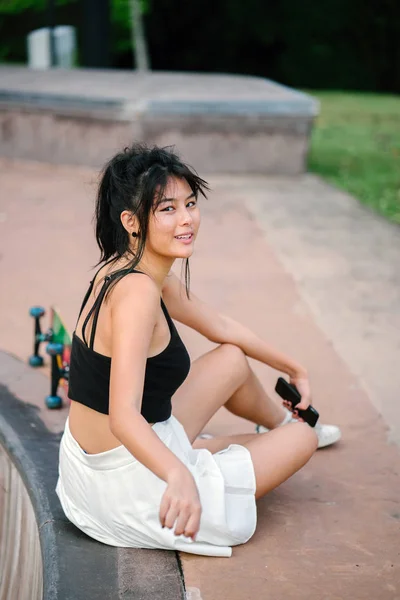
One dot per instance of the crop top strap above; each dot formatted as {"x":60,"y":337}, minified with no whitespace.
{"x":95,"y":310}
{"x":167,"y":315}
{"x":97,"y":304}
{"x":86,"y":298}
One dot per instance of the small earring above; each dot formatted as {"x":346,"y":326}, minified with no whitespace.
{"x":134,"y":234}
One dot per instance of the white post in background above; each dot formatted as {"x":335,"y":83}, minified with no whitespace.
{"x":39,"y":50}
{"x":65,"y":45}
{"x":38,"y":46}
{"x":139,"y":45}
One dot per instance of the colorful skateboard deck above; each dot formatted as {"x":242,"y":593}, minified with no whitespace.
{"x":61,"y":336}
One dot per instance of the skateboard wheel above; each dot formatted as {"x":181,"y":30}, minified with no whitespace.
{"x":36,"y":311}
{"x":35,"y":361}
{"x":53,"y":402}
{"x":54,"y":348}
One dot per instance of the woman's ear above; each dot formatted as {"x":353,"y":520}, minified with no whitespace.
{"x":129,"y":222}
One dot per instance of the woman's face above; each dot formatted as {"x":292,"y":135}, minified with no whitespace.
{"x":174,"y":225}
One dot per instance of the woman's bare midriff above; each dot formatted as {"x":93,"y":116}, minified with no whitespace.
{"x":91,"y":429}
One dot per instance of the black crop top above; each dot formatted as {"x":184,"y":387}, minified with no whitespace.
{"x":89,"y":375}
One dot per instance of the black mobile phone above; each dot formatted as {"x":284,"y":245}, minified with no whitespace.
{"x":289,"y":392}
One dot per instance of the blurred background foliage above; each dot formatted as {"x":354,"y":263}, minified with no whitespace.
{"x":355,"y":144}
{"x":334,"y":44}
{"x":19,"y":17}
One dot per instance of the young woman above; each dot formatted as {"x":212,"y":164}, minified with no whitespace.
{"x":132,"y":470}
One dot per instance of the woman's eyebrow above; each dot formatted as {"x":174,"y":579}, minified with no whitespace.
{"x":192,"y":195}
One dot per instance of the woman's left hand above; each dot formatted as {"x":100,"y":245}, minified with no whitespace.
{"x":303,"y":386}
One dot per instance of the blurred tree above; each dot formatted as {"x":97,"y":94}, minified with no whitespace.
{"x":19,"y":17}
{"x":124,"y":34}
{"x":334,"y":44}
{"x":12,"y":7}
{"x":95,"y":33}
{"x":13,"y":29}
{"x":139,"y":44}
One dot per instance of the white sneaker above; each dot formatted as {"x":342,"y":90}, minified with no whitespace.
{"x":327,"y":434}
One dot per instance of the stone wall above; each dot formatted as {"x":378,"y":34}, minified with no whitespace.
{"x":219,"y":124}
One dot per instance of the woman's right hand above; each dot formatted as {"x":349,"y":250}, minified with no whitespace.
{"x":181,"y":504}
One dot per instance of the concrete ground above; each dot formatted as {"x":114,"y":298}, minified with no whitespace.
{"x":318,"y":277}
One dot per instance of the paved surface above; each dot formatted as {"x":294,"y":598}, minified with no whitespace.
{"x":316,"y":276}
{"x":345,"y":261}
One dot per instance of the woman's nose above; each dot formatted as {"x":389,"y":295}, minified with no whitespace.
{"x":186,"y":218}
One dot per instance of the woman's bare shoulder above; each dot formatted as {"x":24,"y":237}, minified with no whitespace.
{"x":134,"y":284}
{"x":135,"y":291}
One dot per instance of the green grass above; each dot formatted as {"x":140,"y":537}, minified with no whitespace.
{"x":356,"y":145}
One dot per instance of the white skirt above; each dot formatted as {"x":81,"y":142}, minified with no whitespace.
{"x":115,"y":499}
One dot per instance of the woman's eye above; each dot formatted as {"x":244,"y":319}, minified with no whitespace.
{"x":171,"y":208}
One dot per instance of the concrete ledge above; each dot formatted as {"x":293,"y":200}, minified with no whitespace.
{"x":73,"y":565}
{"x":20,"y":556}
{"x":219,"y":123}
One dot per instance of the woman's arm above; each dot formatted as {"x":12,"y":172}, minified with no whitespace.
{"x":135,"y":302}
{"x":134,"y":305}
{"x":255,"y":347}
{"x":222,"y":329}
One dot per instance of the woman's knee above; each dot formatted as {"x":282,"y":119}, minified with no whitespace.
{"x":306,"y":437}
{"x":237,"y":360}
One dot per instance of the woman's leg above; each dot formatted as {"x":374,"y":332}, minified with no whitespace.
{"x":276,"y":455}
{"x":251,"y":402}
{"x":223,"y":377}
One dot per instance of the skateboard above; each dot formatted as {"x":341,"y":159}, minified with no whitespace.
{"x":59,"y":350}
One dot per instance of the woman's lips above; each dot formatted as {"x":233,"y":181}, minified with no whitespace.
{"x":185,"y":238}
